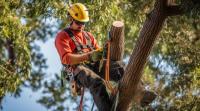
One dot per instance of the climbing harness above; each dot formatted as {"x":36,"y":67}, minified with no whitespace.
{"x":67,"y":73}
{"x":80,"y":46}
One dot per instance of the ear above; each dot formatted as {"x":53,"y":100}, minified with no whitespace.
{"x":70,"y":19}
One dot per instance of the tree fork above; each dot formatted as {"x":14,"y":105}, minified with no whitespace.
{"x":117,"y":52}
{"x":147,"y":37}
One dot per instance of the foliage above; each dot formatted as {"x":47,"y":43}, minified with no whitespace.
{"x":11,"y":29}
{"x":173,"y":70}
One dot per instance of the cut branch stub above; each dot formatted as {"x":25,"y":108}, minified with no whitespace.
{"x":117,"y":41}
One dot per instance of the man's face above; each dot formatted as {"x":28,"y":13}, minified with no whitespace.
{"x":76,"y":25}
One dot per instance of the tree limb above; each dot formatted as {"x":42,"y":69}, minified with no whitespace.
{"x":171,"y":2}
{"x":117,"y":43}
{"x":174,"y":10}
{"x":147,"y":37}
{"x":11,"y":53}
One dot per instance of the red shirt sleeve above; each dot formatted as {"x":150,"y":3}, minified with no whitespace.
{"x":63,"y":46}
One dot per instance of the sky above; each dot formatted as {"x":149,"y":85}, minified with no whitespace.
{"x":27,"y":101}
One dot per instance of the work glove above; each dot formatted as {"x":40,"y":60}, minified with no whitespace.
{"x":96,"y":55}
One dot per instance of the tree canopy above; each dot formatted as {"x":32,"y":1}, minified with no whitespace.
{"x":173,"y":69}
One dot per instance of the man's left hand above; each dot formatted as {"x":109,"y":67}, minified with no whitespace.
{"x":96,"y":55}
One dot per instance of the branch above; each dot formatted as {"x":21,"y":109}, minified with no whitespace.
{"x":171,"y":2}
{"x":160,"y":5}
{"x":133,"y":72}
{"x":174,"y":10}
{"x":117,"y":43}
{"x":11,"y":53}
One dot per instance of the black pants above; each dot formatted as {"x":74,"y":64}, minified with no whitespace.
{"x":90,"y":77}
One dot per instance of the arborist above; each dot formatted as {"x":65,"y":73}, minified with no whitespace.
{"x":76,"y":46}
{"x":80,"y":55}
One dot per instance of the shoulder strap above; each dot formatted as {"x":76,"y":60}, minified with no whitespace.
{"x":78,"y":45}
{"x":89,"y":44}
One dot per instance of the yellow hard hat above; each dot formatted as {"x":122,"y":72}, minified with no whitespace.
{"x":79,"y":12}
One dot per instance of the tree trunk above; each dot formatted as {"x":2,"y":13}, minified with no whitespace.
{"x":117,"y":52}
{"x":147,"y":37}
{"x":117,"y":41}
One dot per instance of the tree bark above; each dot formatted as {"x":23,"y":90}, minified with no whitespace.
{"x":11,"y":53}
{"x":117,"y":41}
{"x":117,"y":52}
{"x":147,"y":37}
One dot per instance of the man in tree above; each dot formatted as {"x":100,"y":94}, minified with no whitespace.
{"x":75,"y":47}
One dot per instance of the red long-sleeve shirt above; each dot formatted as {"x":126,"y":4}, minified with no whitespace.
{"x":66,"y":47}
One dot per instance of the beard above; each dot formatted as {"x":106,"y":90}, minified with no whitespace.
{"x":76,"y":27}
{"x":79,"y":28}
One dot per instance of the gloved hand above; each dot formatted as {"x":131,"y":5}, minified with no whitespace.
{"x":96,"y":55}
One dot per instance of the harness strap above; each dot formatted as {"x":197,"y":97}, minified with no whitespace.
{"x":71,"y":35}
{"x":80,"y":46}
{"x":89,"y":44}
{"x":84,"y":46}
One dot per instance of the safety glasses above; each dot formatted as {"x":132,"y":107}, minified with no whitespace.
{"x":79,"y":23}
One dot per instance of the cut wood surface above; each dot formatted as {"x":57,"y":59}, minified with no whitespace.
{"x":117,"y":41}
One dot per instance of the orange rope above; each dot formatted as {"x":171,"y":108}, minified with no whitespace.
{"x":107,"y":77}
{"x":107,"y":70}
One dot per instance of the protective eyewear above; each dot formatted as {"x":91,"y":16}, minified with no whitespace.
{"x":79,"y":23}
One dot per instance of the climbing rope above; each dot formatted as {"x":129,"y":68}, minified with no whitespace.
{"x":107,"y":70}
{"x":114,"y":91}
{"x":92,"y":106}
{"x":107,"y":77}
{"x":81,"y":101}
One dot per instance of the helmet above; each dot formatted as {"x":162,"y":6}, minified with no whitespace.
{"x":79,"y":12}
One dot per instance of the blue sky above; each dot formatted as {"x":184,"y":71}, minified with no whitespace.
{"x":27,"y":101}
